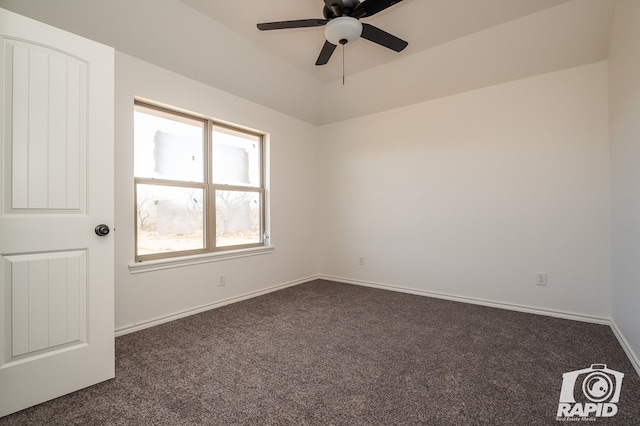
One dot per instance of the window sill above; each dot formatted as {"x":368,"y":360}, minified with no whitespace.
{"x":177,"y":262}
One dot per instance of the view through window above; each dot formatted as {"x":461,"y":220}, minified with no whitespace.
{"x":199,"y":185}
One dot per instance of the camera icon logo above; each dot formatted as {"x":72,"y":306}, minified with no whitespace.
{"x":590,"y":391}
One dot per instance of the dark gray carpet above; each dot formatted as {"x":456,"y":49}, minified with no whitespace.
{"x":324,"y":353}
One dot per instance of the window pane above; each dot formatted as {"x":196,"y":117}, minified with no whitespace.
{"x":168,"y":146}
{"x":235,"y":158}
{"x":237,"y":218}
{"x":170,"y":218}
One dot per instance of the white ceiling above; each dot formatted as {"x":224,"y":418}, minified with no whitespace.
{"x":454,"y":46}
{"x":422,"y":23}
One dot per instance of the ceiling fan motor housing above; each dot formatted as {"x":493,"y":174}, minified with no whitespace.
{"x":342,"y":30}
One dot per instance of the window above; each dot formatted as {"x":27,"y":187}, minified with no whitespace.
{"x":199,"y":185}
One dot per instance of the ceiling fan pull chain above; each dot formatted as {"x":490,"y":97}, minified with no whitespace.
{"x":343,"y":64}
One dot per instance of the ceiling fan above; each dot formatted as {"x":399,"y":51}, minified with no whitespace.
{"x":342,"y":25}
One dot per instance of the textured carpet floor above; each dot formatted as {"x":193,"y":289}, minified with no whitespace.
{"x":324,"y":353}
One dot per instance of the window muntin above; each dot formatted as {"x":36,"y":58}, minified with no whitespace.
{"x":199,"y":186}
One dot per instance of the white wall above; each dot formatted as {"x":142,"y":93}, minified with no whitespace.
{"x":472,"y":194}
{"x":146,"y":296}
{"x":175,"y":36}
{"x":624,"y":101}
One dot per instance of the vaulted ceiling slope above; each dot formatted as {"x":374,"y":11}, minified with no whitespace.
{"x":454,"y":46}
{"x":174,"y":36}
{"x":568,"y":35}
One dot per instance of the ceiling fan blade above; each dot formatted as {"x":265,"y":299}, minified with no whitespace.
{"x":299,"y":23}
{"x":382,"y":38}
{"x":325,"y":53}
{"x":371,"y":7}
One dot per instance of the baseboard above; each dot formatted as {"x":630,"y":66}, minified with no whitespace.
{"x":473,"y":300}
{"x":633,"y":357}
{"x":203,"y":308}
{"x":520,"y":308}
{"x":635,"y":361}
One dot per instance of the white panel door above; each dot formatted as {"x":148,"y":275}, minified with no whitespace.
{"x":56,"y":186}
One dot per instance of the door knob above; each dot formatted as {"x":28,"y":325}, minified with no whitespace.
{"x":102,"y":230}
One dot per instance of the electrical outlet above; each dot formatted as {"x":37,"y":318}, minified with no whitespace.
{"x":222,"y":280}
{"x":541,"y":278}
{"x":361,"y":260}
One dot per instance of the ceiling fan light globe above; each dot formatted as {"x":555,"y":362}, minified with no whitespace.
{"x":342,"y":28}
